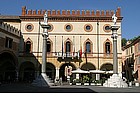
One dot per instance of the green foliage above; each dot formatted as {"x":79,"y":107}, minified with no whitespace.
{"x":133,"y":39}
{"x":124,"y":41}
{"x":85,"y":79}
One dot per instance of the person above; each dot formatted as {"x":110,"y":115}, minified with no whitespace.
{"x":60,"y":80}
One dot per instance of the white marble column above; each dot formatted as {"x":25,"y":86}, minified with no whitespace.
{"x":43,"y":79}
{"x":57,"y":73}
{"x":115,"y":80}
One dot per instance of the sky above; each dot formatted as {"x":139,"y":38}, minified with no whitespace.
{"x":129,"y":10}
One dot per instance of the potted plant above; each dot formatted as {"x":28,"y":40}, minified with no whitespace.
{"x":86,"y":80}
{"x":92,"y":82}
{"x":74,"y":82}
{"x":78,"y":82}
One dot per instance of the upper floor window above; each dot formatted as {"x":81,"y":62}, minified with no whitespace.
{"x":88,"y":47}
{"x":88,"y":27}
{"x":48,"y":46}
{"x":29,"y":27}
{"x":68,"y":27}
{"x":50,"y":27}
{"x":68,"y":46}
{"x":28,"y":47}
{"x":107,"y":28}
{"x":107,"y":48}
{"x":9,"y":42}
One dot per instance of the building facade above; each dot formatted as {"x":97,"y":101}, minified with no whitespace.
{"x":131,"y":60}
{"x":76,"y":39}
{"x":9,"y":45}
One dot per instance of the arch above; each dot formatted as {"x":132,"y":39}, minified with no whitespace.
{"x":28,"y":48}
{"x":62,"y":70}
{"x":8,"y":66}
{"x":107,"y":47}
{"x":88,"y":66}
{"x":106,"y":66}
{"x":27,"y":71}
{"x":88,"y":46}
{"x":50,"y":70}
{"x":8,"y":55}
{"x":49,"y":45}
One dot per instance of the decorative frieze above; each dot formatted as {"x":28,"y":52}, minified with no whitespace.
{"x":87,"y":13}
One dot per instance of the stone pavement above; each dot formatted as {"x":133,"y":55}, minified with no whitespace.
{"x":28,"y":88}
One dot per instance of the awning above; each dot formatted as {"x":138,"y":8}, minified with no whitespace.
{"x":79,"y":71}
{"x":96,"y":71}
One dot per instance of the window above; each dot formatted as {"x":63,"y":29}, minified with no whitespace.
{"x":48,"y":46}
{"x":107,"y":48}
{"x":28,"y":47}
{"x":50,"y":27}
{"x":68,"y":27}
{"x":107,"y":28}
{"x":29,"y":27}
{"x":88,"y":27}
{"x":88,"y":47}
{"x":127,"y":51}
{"x":68,"y":46}
{"x":9,"y":42}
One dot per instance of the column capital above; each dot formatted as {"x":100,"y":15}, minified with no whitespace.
{"x":114,"y":27}
{"x":114,"y":36}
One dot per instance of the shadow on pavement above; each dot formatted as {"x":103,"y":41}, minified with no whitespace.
{"x":28,"y":88}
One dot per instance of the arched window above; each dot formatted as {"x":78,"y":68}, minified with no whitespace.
{"x":68,"y":47}
{"x":48,"y":46}
{"x":88,"y":47}
{"x":107,"y":48}
{"x":28,"y":47}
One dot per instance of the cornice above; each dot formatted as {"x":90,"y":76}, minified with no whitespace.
{"x":72,"y":18}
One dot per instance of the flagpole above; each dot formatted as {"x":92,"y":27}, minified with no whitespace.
{"x":62,"y":48}
{"x":98,"y":41}
{"x":79,"y":52}
{"x":55,"y":46}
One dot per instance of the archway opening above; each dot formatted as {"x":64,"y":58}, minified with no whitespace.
{"x":27,"y":72}
{"x":88,"y":66}
{"x":8,"y":67}
{"x":106,"y":67}
{"x":50,"y":70}
{"x":65,"y":70}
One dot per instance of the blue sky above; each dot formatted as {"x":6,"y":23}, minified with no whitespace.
{"x":129,"y":9}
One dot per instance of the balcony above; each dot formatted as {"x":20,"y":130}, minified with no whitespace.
{"x":68,"y":56}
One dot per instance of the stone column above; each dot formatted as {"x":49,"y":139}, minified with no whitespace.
{"x":44,"y":53}
{"x":115,"y":80}
{"x":43,"y":79}
{"x":114,"y":29}
{"x":57,"y":73}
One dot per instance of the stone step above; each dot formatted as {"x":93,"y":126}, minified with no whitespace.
{"x":43,"y":80}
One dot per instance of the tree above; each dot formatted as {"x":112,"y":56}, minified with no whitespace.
{"x":124,"y":41}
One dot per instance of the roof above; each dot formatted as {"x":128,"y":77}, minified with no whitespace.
{"x":9,"y":18}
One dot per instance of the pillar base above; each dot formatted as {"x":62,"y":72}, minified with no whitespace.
{"x":115,"y":81}
{"x":42,"y":81}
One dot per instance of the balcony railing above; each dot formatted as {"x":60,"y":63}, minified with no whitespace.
{"x":67,"y":54}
